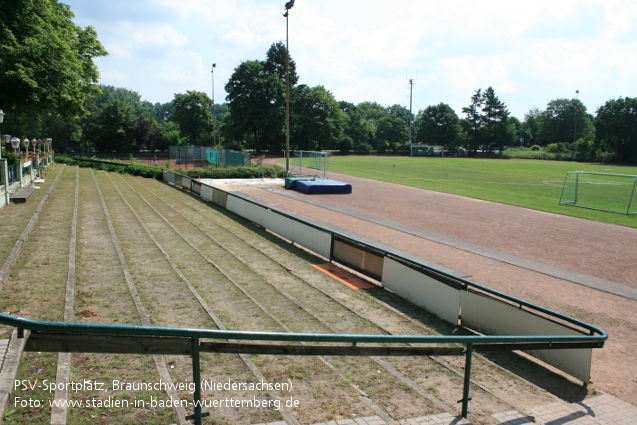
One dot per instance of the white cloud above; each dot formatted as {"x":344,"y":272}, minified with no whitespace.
{"x":128,"y":38}
{"x":115,"y":77}
{"x":530,"y":51}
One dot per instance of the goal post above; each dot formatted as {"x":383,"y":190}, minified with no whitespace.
{"x":419,"y":149}
{"x":312,"y":163}
{"x":600,"y":191}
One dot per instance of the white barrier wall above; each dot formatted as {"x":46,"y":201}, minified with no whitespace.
{"x":207,"y":192}
{"x":492,"y":317}
{"x":436,"y":297}
{"x":169,"y":177}
{"x":220,"y":198}
{"x":359,"y":259}
{"x":481,"y":313}
{"x":248,"y":210}
{"x":307,"y":236}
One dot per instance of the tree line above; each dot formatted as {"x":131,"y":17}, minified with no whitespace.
{"x":60,"y":97}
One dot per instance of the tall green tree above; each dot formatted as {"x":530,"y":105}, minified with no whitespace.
{"x":486,"y":122}
{"x":372,"y":112}
{"x":473,"y":122}
{"x":316,"y":121}
{"x":530,"y":129}
{"x":275,"y":61}
{"x":257,"y":99}
{"x":392,"y":132}
{"x":256,"y":105}
{"x":566,"y":121}
{"x":114,"y":128}
{"x":47,"y":60}
{"x":192,"y":113}
{"x":616,"y":128}
{"x":357,"y":131}
{"x":439,"y":125}
{"x":496,"y":125}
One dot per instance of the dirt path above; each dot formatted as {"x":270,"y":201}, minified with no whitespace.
{"x":598,"y":249}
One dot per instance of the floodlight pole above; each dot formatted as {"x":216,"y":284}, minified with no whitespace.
{"x":288,"y":6}
{"x":214,"y":118}
{"x":411,"y":88}
{"x":574,"y":116}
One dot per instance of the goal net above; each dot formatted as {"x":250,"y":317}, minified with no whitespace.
{"x":600,"y":191}
{"x":310,"y":163}
{"x":418,"y":149}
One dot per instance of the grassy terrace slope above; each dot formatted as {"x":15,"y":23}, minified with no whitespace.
{"x":525,"y":183}
{"x":145,"y":252}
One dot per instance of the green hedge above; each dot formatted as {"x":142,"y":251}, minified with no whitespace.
{"x":155,"y":172}
{"x":249,"y":172}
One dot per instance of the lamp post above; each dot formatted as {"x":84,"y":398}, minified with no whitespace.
{"x":214,"y":118}
{"x":6,"y":139}
{"x":288,"y":6}
{"x":15,"y":143}
{"x":48,"y":142}
{"x":26,"y":142}
{"x":33,"y":143}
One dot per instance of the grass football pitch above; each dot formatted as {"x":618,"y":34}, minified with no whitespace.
{"x":525,"y":183}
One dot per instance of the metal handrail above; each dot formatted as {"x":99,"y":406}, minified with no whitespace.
{"x":196,"y":334}
{"x":22,"y":323}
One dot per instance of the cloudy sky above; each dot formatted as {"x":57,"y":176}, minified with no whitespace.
{"x":530,"y":52}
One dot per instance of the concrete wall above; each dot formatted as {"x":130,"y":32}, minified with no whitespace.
{"x":494,"y":317}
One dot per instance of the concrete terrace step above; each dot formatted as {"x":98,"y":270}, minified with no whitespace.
{"x":4,"y":344}
{"x":23,"y":194}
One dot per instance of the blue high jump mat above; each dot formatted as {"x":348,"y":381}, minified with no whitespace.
{"x":322,"y":186}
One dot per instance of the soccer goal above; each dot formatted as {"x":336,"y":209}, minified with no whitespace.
{"x":600,"y":191}
{"x":418,"y":149}
{"x":312,"y":163}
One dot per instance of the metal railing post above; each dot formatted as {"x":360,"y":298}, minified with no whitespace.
{"x":632,"y":196}
{"x":467,"y":381}
{"x":196,"y":377}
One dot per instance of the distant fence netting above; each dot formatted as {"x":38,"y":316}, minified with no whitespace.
{"x":205,"y":156}
{"x":311,"y":163}
{"x":419,"y":149}
{"x":600,"y":191}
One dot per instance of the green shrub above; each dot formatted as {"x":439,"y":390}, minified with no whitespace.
{"x":535,"y":148}
{"x":249,"y":172}
{"x":139,"y":169}
{"x":134,"y":169}
{"x":556,"y":147}
{"x":12,"y":158}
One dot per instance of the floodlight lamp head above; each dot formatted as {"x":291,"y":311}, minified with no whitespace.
{"x":289,"y":5}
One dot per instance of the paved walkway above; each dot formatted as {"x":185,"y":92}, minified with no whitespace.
{"x":484,"y":251}
{"x":600,"y":410}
